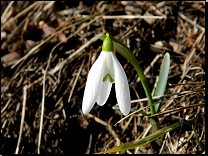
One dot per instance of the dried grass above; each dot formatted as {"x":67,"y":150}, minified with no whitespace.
{"x":47,"y":50}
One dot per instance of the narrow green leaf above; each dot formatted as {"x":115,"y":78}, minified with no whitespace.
{"x":162,"y":81}
{"x":197,"y":138}
{"x":144,"y":141}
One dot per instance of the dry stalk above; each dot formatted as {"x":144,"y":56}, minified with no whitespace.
{"x":174,"y":110}
{"x":20,"y":14}
{"x":43,"y":103}
{"x":150,"y":66}
{"x":75,"y":81}
{"x":5,"y":12}
{"x":22,"y":119}
{"x":108,"y":126}
{"x":133,"y":17}
{"x":60,"y":65}
{"x":167,"y":95}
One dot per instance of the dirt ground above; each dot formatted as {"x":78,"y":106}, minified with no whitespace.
{"x":47,"y":49}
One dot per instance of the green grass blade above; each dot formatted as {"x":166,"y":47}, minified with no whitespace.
{"x":197,"y":138}
{"x":144,"y":141}
{"x":162,"y":81}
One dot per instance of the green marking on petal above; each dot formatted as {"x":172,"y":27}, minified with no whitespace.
{"x":110,"y":77}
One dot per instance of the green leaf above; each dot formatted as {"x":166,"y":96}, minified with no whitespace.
{"x":144,"y":141}
{"x":197,"y":138}
{"x":162,"y":81}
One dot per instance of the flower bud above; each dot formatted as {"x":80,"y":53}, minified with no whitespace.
{"x":107,"y":44}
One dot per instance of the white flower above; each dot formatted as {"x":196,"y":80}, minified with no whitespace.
{"x":105,"y":71}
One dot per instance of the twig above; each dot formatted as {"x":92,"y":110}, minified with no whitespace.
{"x":186,"y":83}
{"x":48,"y":39}
{"x":43,"y":103}
{"x":5,"y":11}
{"x":75,"y":81}
{"x":168,"y":49}
{"x":150,"y":66}
{"x":89,"y":146}
{"x":170,"y":142}
{"x":132,"y":17}
{"x":60,"y":65}
{"x":5,"y":107}
{"x":134,"y":113}
{"x":156,"y":97}
{"x":157,"y":11}
{"x":22,"y":119}
{"x":20,"y":14}
{"x":118,"y":142}
{"x":144,"y":135}
{"x":167,"y":95}
{"x":124,"y":34}
{"x":127,"y":124}
{"x":190,"y":21}
{"x":174,"y":110}
{"x":185,"y":142}
{"x":186,"y":67}
{"x":181,"y":128}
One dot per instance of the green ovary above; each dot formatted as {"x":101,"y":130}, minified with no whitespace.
{"x":108,"y":75}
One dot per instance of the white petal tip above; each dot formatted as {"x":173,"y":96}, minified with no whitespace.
{"x":85,"y":111}
{"x":125,"y":113}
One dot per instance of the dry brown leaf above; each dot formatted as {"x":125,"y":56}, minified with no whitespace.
{"x":7,"y":16}
{"x":10,"y":58}
{"x":174,"y":44}
{"x":30,"y":44}
{"x":150,"y":21}
{"x":62,"y":36}
{"x":191,"y":37}
{"x":48,"y":30}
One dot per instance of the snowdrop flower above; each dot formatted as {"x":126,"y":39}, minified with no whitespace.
{"x":104,"y":72}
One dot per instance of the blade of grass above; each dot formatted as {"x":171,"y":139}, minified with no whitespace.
{"x":144,"y":141}
{"x":197,"y":138}
{"x":162,"y":81}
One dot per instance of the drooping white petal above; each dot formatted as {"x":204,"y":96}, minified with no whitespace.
{"x":104,"y":92}
{"x":106,"y":86}
{"x":121,"y":86}
{"x":93,"y":84}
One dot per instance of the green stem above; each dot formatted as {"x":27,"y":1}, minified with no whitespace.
{"x":143,"y":79}
{"x":145,"y":85}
